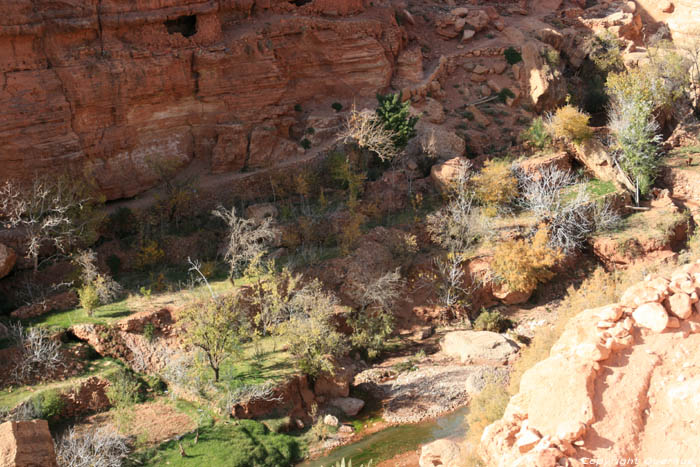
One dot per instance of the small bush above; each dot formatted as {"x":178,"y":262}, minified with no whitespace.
{"x":48,"y":404}
{"x":512,"y":56}
{"x":297,"y":107}
{"x":149,"y":255}
{"x":337,"y":106}
{"x":492,"y":321}
{"x":305,"y":143}
{"x":571,"y":124}
{"x":537,"y":135}
{"x":524,"y":263}
{"x":149,"y":331}
{"x":89,"y":299}
{"x":495,"y":185}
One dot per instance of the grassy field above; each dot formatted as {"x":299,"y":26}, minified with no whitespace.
{"x":236,"y":444}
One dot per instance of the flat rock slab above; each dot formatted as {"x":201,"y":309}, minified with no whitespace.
{"x":479,"y":347}
{"x":349,"y":405}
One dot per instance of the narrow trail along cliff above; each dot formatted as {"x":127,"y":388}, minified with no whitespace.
{"x":622,"y":382}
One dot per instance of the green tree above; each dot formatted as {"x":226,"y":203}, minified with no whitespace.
{"x":215,"y":327}
{"x":396,"y":118}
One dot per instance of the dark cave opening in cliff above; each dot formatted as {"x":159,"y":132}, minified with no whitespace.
{"x":300,"y":2}
{"x":185,"y":25}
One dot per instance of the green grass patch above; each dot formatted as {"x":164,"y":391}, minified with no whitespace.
{"x":600,"y":188}
{"x":102,"y":315}
{"x":238,"y":444}
{"x":13,"y":396}
{"x":260,"y":361}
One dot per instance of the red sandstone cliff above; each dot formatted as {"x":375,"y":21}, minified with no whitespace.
{"x":107,"y":85}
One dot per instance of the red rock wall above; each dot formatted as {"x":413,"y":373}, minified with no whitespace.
{"x":101,"y":85}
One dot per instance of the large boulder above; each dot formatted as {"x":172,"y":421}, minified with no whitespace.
{"x":26,"y":444}
{"x":442,"y":452}
{"x":593,"y":154}
{"x":350,"y":406}
{"x":479,"y":346}
{"x":444,"y":175}
{"x":546,"y":86}
{"x":8,"y":257}
{"x":438,"y":142}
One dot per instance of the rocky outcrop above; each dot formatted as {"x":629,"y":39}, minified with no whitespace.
{"x":125,"y":340}
{"x":26,"y":444}
{"x":617,"y":378}
{"x":8,"y":257}
{"x":115,"y":88}
{"x":444,"y":175}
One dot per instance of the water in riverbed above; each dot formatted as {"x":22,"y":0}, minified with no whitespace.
{"x":395,"y":440}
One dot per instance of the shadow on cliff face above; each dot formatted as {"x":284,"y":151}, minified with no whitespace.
{"x":185,"y":25}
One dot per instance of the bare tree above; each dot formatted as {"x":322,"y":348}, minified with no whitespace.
{"x":95,"y":447}
{"x":247,"y":238}
{"x":450,"y":281}
{"x":48,"y":212}
{"x":38,"y":351}
{"x":367,"y":130}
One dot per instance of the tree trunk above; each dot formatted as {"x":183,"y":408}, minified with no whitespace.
{"x":216,"y":373}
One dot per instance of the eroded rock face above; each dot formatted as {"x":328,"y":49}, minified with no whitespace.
{"x":684,"y":21}
{"x":115,"y":87}
{"x":618,"y":377}
{"x":26,"y":444}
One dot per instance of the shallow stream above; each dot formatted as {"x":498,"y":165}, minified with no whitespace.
{"x":395,"y":440}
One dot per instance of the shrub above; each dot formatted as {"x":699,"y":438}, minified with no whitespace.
{"x":537,"y":135}
{"x":373,"y":322}
{"x":337,"y":106}
{"x":487,"y":407}
{"x":460,"y":224}
{"x":605,"y":52}
{"x":38,"y":351}
{"x":636,"y":134}
{"x":495,"y":185}
{"x":395,"y":116}
{"x":571,"y":124}
{"x":552,"y":57}
{"x":149,"y":331}
{"x":512,"y":56}
{"x":93,"y":447}
{"x":312,"y":338}
{"x":524,"y":263}
{"x":89,"y":299}
{"x":123,"y":389}
{"x":305,"y":143}
{"x":492,"y":321}
{"x":149,"y":255}
{"x":48,"y":404}
{"x":297,"y":107}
